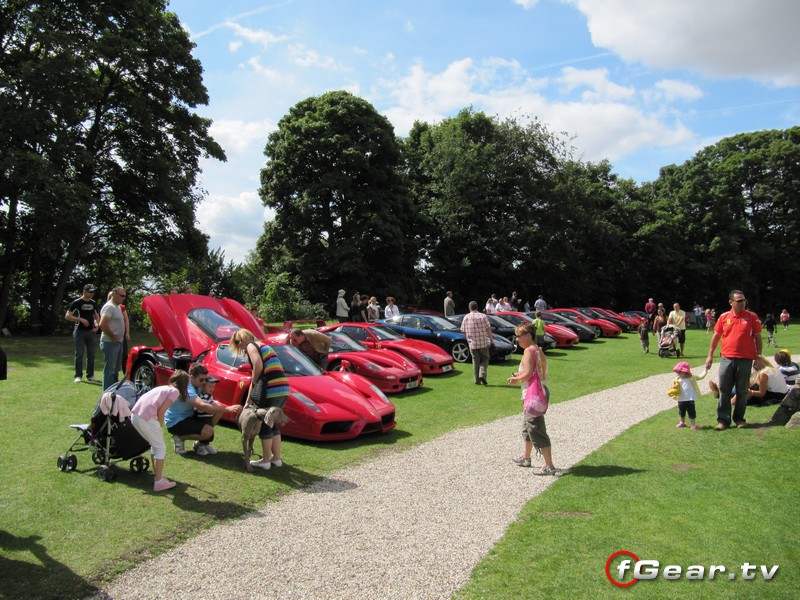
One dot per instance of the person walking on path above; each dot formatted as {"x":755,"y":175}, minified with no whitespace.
{"x":677,"y":317}
{"x":534,"y":430}
{"x":83,"y":313}
{"x":449,"y":305}
{"x":478,"y":330}
{"x":740,"y":332}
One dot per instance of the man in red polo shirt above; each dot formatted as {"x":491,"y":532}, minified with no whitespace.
{"x":740,"y":332}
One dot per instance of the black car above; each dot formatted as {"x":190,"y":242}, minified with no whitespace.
{"x":586,"y":333}
{"x":506,"y":329}
{"x":445,"y":334}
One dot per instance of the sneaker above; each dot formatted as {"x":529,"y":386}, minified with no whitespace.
{"x":178,"y":443}
{"x":546,"y":471}
{"x":201,"y":449}
{"x":522,"y":461}
{"x":77,"y":380}
{"x":210,"y":449}
{"x":163,"y":484}
{"x":680,"y":425}
{"x":93,"y":379}
{"x":695,"y":426}
{"x":276,"y":462}
{"x":260,"y":465}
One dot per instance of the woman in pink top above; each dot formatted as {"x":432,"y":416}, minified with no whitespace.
{"x":148,"y":419}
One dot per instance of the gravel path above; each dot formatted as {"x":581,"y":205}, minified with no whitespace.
{"x":411,"y":524}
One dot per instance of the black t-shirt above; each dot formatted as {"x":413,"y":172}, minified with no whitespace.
{"x":86,"y":310}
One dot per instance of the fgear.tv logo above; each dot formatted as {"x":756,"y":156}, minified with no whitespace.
{"x":629,"y":569}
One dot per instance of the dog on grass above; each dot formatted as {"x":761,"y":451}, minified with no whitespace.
{"x":250,"y":421}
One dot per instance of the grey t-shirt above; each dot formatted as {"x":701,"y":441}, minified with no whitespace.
{"x":116,"y":322}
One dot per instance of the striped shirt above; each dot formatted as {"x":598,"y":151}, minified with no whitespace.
{"x":272,"y":373}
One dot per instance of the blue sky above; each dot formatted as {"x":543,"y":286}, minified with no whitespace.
{"x":642,"y":83}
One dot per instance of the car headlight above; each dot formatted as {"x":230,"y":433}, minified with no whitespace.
{"x":427,"y":358}
{"x":373,"y":367}
{"x":306,"y":400}
{"x":379,"y":393}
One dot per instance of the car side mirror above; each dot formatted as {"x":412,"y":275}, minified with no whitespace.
{"x":245,"y":368}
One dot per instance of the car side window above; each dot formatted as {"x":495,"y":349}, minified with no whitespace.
{"x":357,"y":333}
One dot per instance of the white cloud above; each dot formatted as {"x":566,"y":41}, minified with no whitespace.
{"x":255,"y":63}
{"x":303,"y":56}
{"x":526,"y":4}
{"x":262,"y":37}
{"x":600,"y":87}
{"x":671,"y":90}
{"x":238,"y":137}
{"x":233,"y":222}
{"x":721,"y":38}
{"x":235,"y":45}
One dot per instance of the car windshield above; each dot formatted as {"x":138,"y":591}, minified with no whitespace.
{"x":213,"y":324}
{"x":442,"y":323}
{"x":385,"y":334}
{"x":294,"y":362}
{"x":570,"y":316}
{"x":500,"y":321}
{"x":344,"y":343}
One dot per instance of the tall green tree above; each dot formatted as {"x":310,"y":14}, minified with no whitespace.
{"x":479,"y":183}
{"x":99,"y":140}
{"x":343,"y":217}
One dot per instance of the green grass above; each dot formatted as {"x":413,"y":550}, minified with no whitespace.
{"x":64,"y":534}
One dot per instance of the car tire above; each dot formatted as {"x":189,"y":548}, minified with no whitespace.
{"x":460,"y":352}
{"x":144,"y":375}
{"x":598,"y":331}
{"x":514,"y":345}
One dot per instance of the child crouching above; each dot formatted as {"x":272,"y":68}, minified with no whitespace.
{"x":685,"y":390}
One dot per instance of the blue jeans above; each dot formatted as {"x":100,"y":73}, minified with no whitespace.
{"x":84,"y":338}
{"x":111,"y":351}
{"x":733,"y":372}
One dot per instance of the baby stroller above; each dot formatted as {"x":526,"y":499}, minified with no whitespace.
{"x":109,"y":439}
{"x":668,"y":342}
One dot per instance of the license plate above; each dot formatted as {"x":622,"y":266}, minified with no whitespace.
{"x":412,"y":384}
{"x":447,"y":368}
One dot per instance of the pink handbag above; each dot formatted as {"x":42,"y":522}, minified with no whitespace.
{"x":535,"y":404}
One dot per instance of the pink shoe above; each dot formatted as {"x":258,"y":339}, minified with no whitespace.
{"x":163,"y":484}
{"x":681,"y":424}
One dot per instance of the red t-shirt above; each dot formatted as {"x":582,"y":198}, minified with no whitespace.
{"x":738,"y":334}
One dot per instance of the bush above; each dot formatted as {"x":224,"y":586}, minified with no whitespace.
{"x":283,"y":300}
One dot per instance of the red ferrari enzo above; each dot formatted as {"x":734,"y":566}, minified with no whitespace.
{"x":429,"y":358}
{"x":322,"y":406}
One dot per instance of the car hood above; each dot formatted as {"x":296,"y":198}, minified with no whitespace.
{"x":176,"y":330}
{"x":342,"y":396}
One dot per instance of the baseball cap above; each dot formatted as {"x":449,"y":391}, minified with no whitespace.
{"x":89,"y":288}
{"x":212,"y":379}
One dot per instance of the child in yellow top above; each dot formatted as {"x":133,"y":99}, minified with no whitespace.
{"x":685,"y":390}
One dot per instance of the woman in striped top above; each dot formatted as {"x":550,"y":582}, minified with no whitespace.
{"x":268,"y":387}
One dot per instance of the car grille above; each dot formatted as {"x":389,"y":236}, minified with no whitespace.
{"x":336,"y":427}
{"x":387,"y":419}
{"x":406,"y":380}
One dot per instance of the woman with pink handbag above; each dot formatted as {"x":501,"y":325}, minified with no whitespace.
{"x":532,"y":369}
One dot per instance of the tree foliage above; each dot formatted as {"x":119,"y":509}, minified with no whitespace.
{"x":344,"y":218}
{"x":99,"y":143}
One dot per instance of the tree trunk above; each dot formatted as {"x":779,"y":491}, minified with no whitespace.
{"x":8,"y":267}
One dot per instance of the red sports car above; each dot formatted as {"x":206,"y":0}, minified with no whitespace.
{"x":604,"y":327}
{"x":429,"y":358}
{"x":322,"y":406}
{"x":565,"y":338}
{"x":390,"y":371}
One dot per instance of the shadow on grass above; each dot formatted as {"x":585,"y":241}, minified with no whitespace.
{"x":42,"y":577}
{"x":601,"y":471}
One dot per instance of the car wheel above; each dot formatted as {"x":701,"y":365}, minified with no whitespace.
{"x":598,"y":331}
{"x":144,"y":375}
{"x":460,"y":352}
{"x":515,"y":346}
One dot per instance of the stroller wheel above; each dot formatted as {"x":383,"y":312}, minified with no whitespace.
{"x":98,"y":457}
{"x":137,"y":464}
{"x":72,"y":462}
{"x":102,"y":472}
{"x":146,"y":466}
{"x":61,"y":463}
